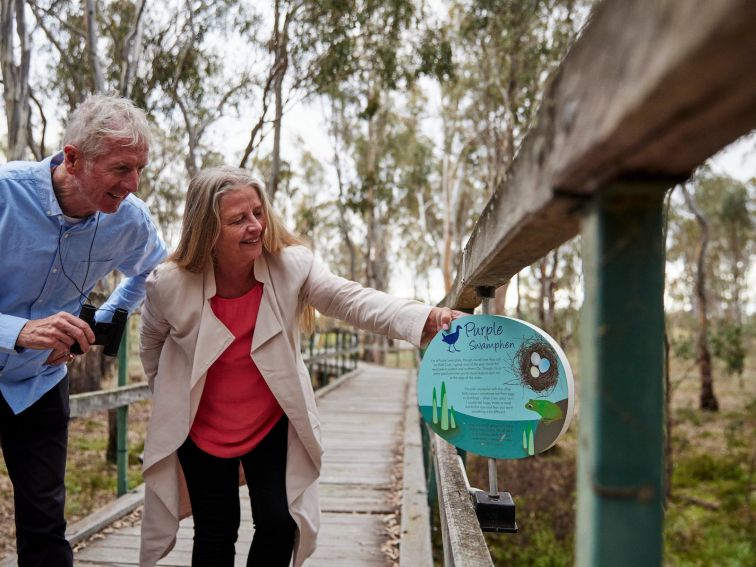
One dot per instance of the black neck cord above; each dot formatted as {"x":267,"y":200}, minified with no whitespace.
{"x":89,"y":261}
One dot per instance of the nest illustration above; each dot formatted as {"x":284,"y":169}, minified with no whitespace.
{"x":536,"y":365}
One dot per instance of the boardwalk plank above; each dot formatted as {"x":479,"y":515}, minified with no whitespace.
{"x":361,"y":423}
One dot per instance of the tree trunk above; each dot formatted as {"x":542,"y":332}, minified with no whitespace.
{"x":15,"y":76}
{"x":87,"y":372}
{"x":374,"y":254}
{"x":542,"y":284}
{"x":338,"y":127}
{"x":446,"y":255}
{"x":668,"y":454}
{"x":130,"y":54}
{"x":518,"y":307}
{"x":708,"y":400}
{"x":94,"y":60}
{"x":111,"y":452}
{"x":668,"y":420}
{"x":737,"y":258}
{"x":281,"y":64}
{"x":551,"y":291}
{"x":500,"y":297}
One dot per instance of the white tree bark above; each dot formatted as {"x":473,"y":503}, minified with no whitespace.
{"x":15,"y":75}
{"x":94,"y":60}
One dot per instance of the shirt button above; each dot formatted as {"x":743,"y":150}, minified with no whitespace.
{"x":65,"y":235}
{"x":49,"y":212}
{"x":55,"y":270}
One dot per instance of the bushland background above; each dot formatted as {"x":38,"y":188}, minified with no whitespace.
{"x":381,"y":129}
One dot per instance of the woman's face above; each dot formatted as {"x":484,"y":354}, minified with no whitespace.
{"x":242,"y":224}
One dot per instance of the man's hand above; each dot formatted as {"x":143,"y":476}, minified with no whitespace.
{"x":439,"y":318}
{"x":57,"y":332}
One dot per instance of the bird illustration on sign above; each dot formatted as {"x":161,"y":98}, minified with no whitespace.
{"x":451,"y":339}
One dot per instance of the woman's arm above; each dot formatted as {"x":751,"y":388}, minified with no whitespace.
{"x":372,"y":310}
{"x":153,"y":330}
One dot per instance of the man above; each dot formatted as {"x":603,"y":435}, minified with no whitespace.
{"x":65,"y":223}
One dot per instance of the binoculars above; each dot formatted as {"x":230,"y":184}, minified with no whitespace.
{"x":106,"y":334}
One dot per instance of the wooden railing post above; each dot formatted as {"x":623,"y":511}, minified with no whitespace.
{"x":621,"y":460}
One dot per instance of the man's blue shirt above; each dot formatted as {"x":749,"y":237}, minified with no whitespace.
{"x":40,"y":251}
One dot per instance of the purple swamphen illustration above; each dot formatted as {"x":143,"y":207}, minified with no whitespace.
{"x":450,"y":339}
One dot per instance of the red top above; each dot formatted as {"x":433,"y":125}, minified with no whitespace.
{"x":237,"y":409}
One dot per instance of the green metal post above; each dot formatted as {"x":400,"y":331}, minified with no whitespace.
{"x":122,"y":414}
{"x":621,"y":461}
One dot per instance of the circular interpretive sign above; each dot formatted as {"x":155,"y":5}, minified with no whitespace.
{"x":496,"y":386}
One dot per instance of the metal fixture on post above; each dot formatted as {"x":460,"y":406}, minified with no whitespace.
{"x":495,"y":510}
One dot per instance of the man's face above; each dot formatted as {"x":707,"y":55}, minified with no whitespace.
{"x":106,"y":180}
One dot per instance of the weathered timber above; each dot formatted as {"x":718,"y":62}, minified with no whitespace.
{"x":415,"y":542}
{"x":362,"y":415}
{"x":464,"y":545}
{"x":82,"y":404}
{"x":650,"y":89}
{"x":105,"y":516}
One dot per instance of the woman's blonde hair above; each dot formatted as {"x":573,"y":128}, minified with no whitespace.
{"x":201,"y":225}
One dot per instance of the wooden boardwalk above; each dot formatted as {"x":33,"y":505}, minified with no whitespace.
{"x":363,"y":423}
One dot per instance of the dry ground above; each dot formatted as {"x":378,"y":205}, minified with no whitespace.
{"x":90,"y":480}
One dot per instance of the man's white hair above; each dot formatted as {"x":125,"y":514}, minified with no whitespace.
{"x":106,"y":117}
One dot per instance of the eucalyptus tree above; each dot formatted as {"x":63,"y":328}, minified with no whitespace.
{"x":356,"y":54}
{"x":15,"y":62}
{"x":712,"y":229}
{"x":169,"y":59}
{"x":503,"y":52}
{"x":708,"y":400}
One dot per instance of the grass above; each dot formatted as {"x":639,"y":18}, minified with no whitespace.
{"x":710,"y":519}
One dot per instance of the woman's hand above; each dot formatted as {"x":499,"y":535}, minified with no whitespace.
{"x":439,"y":318}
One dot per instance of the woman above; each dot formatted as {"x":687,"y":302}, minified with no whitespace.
{"x":231,"y":394}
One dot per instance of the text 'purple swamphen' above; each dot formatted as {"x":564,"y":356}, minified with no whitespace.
{"x":450,"y":339}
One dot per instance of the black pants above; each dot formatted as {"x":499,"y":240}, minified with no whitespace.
{"x":213,"y":485}
{"x":34,"y":446}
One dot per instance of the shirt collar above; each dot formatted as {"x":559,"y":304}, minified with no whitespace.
{"x":45,"y":190}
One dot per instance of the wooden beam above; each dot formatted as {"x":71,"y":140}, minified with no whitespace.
{"x":82,"y":404}
{"x":464,"y":544}
{"x":415,"y":543}
{"x":650,"y":90}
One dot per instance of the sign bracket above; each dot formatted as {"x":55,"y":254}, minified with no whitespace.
{"x":496,"y":511}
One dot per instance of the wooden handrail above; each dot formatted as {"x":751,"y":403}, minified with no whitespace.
{"x":650,"y":90}
{"x":88,"y":402}
{"x":647,"y":93}
{"x":464,"y":545}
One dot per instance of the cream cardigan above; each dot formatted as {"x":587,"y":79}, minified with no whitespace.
{"x":181,"y":338}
